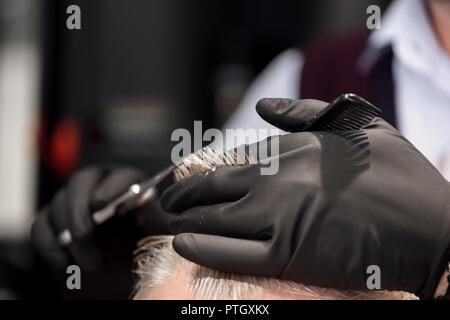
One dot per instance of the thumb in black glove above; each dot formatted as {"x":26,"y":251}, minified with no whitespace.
{"x":339,"y":203}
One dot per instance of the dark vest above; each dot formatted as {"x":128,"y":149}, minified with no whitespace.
{"x":330,"y":69}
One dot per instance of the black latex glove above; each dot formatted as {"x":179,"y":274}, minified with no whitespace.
{"x":339,"y":203}
{"x":94,"y":246}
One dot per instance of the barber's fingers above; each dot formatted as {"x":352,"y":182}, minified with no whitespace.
{"x":230,"y":183}
{"x":113,"y":185}
{"x":228,"y":254}
{"x":275,"y":146}
{"x":78,"y":210}
{"x":288,"y":114}
{"x":58,"y":216}
{"x":44,"y":236}
{"x":224,"y":184}
{"x":70,"y":211}
{"x":203,"y":219}
{"x":224,"y":219}
{"x":44,"y":240}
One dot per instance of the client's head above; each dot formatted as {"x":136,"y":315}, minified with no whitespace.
{"x":163,"y":274}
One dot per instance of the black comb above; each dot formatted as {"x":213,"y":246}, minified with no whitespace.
{"x":348,"y":112}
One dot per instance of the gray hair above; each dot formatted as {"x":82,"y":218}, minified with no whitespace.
{"x":162,"y":264}
{"x":157,"y":262}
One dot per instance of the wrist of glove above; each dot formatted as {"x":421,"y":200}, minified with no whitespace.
{"x":94,"y":246}
{"x":339,"y":203}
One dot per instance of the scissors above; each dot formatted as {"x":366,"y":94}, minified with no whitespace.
{"x":136,"y":195}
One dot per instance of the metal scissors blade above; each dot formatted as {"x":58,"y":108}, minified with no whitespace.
{"x":137,"y":195}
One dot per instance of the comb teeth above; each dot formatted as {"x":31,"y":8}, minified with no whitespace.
{"x":352,"y":117}
{"x":348,"y":112}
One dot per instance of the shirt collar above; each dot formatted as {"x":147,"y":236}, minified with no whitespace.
{"x":407,"y":30}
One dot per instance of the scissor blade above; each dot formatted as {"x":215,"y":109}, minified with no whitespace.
{"x":149,"y":191}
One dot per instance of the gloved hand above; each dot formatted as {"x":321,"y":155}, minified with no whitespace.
{"x":339,"y":203}
{"x":94,"y":246}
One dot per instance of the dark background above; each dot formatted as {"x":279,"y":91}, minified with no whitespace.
{"x":114,"y":91}
{"x":179,"y":61}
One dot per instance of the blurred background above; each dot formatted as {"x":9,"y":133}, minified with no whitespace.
{"x":114,"y":91}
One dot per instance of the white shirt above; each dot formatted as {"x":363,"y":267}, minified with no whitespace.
{"x":421,"y":75}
